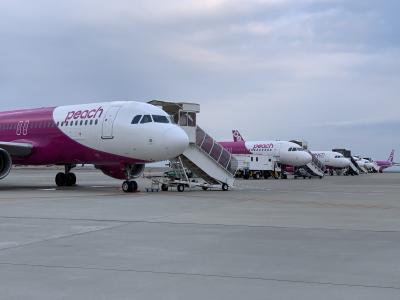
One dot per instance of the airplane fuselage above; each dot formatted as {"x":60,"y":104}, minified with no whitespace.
{"x":332,"y":160}
{"x":287,"y":153}
{"x":104,"y":134}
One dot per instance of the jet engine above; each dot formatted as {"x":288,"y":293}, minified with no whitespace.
{"x":120,"y":171}
{"x":5,"y":163}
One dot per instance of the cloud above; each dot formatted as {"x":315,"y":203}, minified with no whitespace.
{"x":278,"y":69}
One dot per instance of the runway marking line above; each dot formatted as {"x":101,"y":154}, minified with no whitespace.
{"x":208,"y":275}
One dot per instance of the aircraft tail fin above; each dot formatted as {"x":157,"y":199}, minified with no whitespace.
{"x":391,"y":156}
{"x":237,"y":137}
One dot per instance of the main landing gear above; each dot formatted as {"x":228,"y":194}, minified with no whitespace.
{"x":129,"y":185}
{"x":67,"y":178}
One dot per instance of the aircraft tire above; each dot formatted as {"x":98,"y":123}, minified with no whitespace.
{"x":61,"y":179}
{"x":70,"y":179}
{"x":164,"y":188}
{"x":129,"y":186}
{"x":225,"y":187}
{"x":180,"y":188}
{"x":134,"y":186}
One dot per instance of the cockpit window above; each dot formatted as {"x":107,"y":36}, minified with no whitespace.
{"x":146,"y":119}
{"x":160,"y":119}
{"x":136,"y":119}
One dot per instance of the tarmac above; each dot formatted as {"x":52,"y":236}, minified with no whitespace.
{"x":335,"y":238}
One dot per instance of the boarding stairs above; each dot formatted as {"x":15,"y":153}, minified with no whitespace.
{"x":375,"y":167}
{"x":178,"y":169}
{"x":353,"y":168}
{"x":315,"y":167}
{"x":361,"y":168}
{"x":209,"y":160}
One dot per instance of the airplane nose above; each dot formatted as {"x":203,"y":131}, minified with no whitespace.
{"x":345,"y":162}
{"x":175,"y":141}
{"x":297,"y":158}
{"x":306,"y":158}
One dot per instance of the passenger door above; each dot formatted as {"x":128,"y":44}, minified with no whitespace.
{"x":108,"y":122}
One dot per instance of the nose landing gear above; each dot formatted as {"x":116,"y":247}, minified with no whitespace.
{"x":67,"y":178}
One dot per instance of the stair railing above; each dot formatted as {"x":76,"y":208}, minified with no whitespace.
{"x":215,"y":151}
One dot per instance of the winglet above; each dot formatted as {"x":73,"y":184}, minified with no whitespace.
{"x":237,"y":137}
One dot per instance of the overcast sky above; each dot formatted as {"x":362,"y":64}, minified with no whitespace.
{"x":327,"y":71}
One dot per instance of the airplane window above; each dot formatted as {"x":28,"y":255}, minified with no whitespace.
{"x":136,"y":119}
{"x":183,"y":118}
{"x":81,"y":122}
{"x":91,"y":122}
{"x":146,"y":119}
{"x":160,"y":119}
{"x":96,"y":122}
{"x":86,"y":122}
{"x":191,"y":119}
{"x":76,"y":123}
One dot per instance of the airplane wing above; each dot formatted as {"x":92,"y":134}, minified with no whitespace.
{"x":17,"y":149}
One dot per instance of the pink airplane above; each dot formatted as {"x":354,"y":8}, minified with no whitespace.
{"x":384,"y":164}
{"x":289,"y":153}
{"x":117,"y":137}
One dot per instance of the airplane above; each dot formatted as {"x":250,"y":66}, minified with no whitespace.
{"x":384,"y":164}
{"x":365,"y":164}
{"x":289,"y":153}
{"x":371,"y":165}
{"x":118,"y":138}
{"x":332,"y":160}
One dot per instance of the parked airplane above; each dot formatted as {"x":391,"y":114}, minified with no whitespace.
{"x":384,"y":164}
{"x":366,"y":165}
{"x":332,"y":160}
{"x":117,"y":137}
{"x":371,"y":165}
{"x":288,"y":153}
